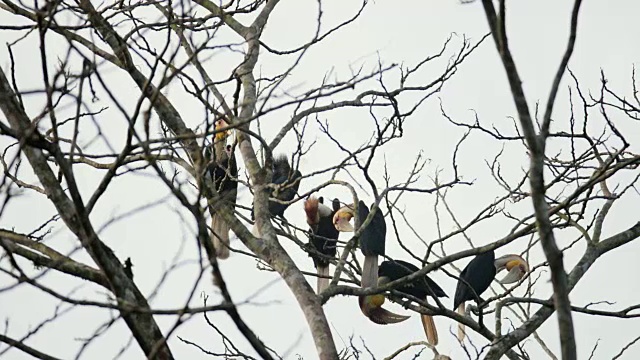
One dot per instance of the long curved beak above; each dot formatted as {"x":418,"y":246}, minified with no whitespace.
{"x":342,"y":217}
{"x":516,"y":266}
{"x":371,"y":307}
{"x":383,"y":316}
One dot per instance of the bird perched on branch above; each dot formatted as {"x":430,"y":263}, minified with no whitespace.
{"x":323,"y":236}
{"x":477,"y":276}
{"x":372,"y":238}
{"x":287,"y":183}
{"x":223,"y":170}
{"x":421,"y":288}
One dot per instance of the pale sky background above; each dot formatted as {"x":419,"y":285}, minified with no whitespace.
{"x":396,"y":32}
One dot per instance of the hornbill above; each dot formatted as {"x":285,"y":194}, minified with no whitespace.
{"x":371,"y":307}
{"x":288,"y":182}
{"x":323,"y":235}
{"x":372,"y":238}
{"x":223,"y":170}
{"x":391,"y":270}
{"x":476,"y":277}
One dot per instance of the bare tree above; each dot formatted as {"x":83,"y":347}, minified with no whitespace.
{"x":174,"y":93}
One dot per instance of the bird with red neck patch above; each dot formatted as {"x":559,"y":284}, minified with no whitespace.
{"x":323,"y":236}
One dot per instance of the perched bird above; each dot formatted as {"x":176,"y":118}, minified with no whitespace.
{"x":289,"y":183}
{"x":282,"y":175}
{"x":223,"y":170}
{"x":477,"y":276}
{"x":391,"y":270}
{"x":372,"y":238}
{"x":323,"y":236}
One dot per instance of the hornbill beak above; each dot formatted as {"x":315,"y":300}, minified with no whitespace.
{"x":342,"y":217}
{"x":371,"y":307}
{"x":516,"y":266}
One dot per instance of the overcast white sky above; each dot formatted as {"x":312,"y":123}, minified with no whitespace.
{"x":396,"y":32}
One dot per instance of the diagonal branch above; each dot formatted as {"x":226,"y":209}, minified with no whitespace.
{"x":536,"y":144}
{"x":143,"y":326}
{"x":27,"y":248}
{"x":561,"y":69}
{"x":27,"y":349}
{"x":590,"y":256}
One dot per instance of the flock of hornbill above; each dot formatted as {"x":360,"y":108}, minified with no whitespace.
{"x":326,"y":222}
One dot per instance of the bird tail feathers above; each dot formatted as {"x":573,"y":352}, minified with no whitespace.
{"x":429,"y":326}
{"x":220,"y":236}
{"x":323,"y":279}
{"x":461,"y":332}
{"x":255,"y":231}
{"x":369,"y":271}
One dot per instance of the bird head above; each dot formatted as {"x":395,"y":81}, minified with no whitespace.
{"x":516,"y":266}
{"x":371,"y":307}
{"x":221,"y":135}
{"x":311,"y":209}
{"x":342,"y":217}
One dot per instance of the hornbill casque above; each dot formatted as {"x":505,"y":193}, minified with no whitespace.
{"x":372,"y":238}
{"x":421,"y":288}
{"x":289,"y":183}
{"x":323,"y":236}
{"x":223,"y":170}
{"x":479,"y":274}
{"x":372,"y":244}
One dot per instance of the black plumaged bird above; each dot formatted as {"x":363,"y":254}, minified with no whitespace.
{"x":323,"y":236}
{"x":288,"y":181}
{"x":477,"y":276}
{"x":282,"y":175}
{"x":372,"y":238}
{"x":223,"y":170}
{"x":421,"y":288}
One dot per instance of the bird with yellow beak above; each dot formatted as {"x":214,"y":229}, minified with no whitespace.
{"x":223,"y":170}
